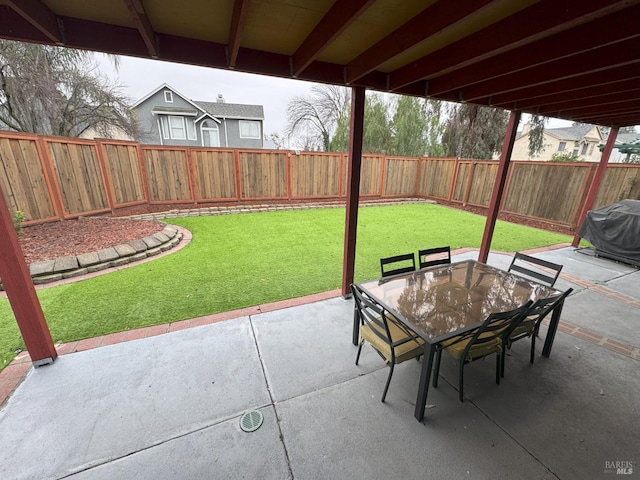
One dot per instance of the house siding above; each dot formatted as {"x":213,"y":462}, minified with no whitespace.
{"x":228,"y":128}
{"x":552,"y":144}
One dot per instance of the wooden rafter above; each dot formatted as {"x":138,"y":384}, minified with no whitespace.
{"x":610,"y":100}
{"x":143,"y":25}
{"x":429,"y":22}
{"x":39,"y":15}
{"x":583,"y":38}
{"x":524,"y":27}
{"x":342,"y":14}
{"x":240,"y":9}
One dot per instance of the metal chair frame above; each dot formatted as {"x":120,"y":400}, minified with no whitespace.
{"x":396,"y":259}
{"x":491,"y":330}
{"x":422,"y":254}
{"x":540,"y":275}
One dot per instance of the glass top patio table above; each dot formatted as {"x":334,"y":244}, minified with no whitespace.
{"x":441,"y":302}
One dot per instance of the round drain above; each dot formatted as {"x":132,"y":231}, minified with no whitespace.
{"x":251,"y":421}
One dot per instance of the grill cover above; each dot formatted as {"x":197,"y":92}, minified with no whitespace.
{"x":614,"y":231}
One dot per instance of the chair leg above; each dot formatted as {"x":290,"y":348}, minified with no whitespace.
{"x":436,"y":369}
{"x":461,"y":383}
{"x":503,"y":355}
{"x":359,"y":350}
{"x":533,"y":347}
{"x":498,"y":367}
{"x":384,"y":394}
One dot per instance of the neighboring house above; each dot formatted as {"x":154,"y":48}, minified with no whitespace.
{"x":169,"y":118}
{"x":582,"y":140}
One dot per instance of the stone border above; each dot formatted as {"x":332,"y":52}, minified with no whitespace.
{"x":74,"y":266}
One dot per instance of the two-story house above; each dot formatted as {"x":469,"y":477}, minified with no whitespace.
{"x":169,"y":118}
{"x":581,"y":140}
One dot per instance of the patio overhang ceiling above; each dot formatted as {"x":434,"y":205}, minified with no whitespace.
{"x":573,"y":59}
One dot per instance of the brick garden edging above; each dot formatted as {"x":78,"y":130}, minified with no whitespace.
{"x":74,"y":266}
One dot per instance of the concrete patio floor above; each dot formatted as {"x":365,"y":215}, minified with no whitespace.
{"x":168,"y":406}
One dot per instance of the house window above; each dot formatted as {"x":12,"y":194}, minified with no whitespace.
{"x":174,"y":128}
{"x":191,"y":129}
{"x":164,"y":122}
{"x":210,"y":136}
{"x":591,"y":148}
{"x":176,"y":125}
{"x":168,"y":96}
{"x":584,"y":149}
{"x":249,"y":129}
{"x":576,"y":148}
{"x":562,"y":146}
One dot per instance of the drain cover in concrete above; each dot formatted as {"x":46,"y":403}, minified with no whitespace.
{"x":251,"y":421}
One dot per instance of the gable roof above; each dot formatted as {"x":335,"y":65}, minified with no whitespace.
{"x":574,"y":133}
{"x":233,"y":110}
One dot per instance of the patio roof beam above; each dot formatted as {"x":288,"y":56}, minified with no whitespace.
{"x":621,"y":97}
{"x":597,"y":180}
{"x":143,"y":25}
{"x":581,"y":94}
{"x":341,"y":14}
{"x":429,"y":22}
{"x":526,"y":26}
{"x":240,"y":9}
{"x":21,"y":293}
{"x":498,"y":186}
{"x":39,"y":15}
{"x":601,"y":59}
{"x":356,"y":133}
{"x":597,"y":79}
{"x":563,"y":46}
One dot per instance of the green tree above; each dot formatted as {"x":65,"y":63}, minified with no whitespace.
{"x":56,"y":91}
{"x":409,"y":127}
{"x":536,"y":135}
{"x":377,"y":137}
{"x":565,"y":157}
{"x":474,"y":132}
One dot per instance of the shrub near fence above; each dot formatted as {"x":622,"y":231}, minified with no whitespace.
{"x":52,"y":178}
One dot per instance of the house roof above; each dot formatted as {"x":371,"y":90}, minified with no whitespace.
{"x":232,"y":110}
{"x":575,"y":60}
{"x":574,"y":133}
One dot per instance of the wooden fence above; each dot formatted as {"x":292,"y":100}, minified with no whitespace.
{"x":51,"y":178}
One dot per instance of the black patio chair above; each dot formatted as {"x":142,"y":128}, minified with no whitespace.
{"x":530,"y":324}
{"x":479,"y":343}
{"x":407,"y":264}
{"x":522,"y":264}
{"x":434,"y":256}
{"x":394,"y":341}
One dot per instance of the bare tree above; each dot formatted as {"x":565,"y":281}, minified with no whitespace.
{"x":57,"y":91}
{"x":312,"y":119}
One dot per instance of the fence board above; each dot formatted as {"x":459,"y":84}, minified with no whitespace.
{"x":264,"y":175}
{"x":436,"y":176}
{"x":124,"y":171}
{"x":167,"y":174}
{"x":400,"y":176}
{"x":315,"y":175}
{"x":78,"y":175}
{"x":215,"y":174}
{"x":370,"y":175}
{"x":23,"y":179}
{"x":619,"y":182}
{"x":535,"y":187}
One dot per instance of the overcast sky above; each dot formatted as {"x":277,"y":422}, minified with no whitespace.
{"x":140,"y":76}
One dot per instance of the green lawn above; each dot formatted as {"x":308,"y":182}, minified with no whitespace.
{"x":242,"y":260}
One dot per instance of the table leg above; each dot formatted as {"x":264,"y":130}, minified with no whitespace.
{"x":551,"y":332}
{"x":425,"y":378}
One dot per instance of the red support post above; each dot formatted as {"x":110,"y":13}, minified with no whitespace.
{"x":353,"y":188}
{"x":597,"y":180}
{"x":21,"y":292}
{"x":498,"y":186}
